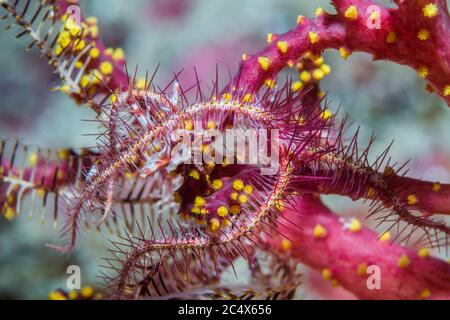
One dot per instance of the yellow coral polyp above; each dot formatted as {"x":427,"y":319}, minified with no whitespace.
{"x":199,"y":201}
{"x":318,"y":74}
{"x":72,"y":26}
{"x":235,"y":209}
{"x":109,"y":51}
{"x":282,"y":46}
{"x":326,"y":114}
{"x":56,"y":295}
{"x":437,"y":187}
{"x":118,"y":55}
{"x":430,"y":10}
{"x":85,"y":80}
{"x":10,"y":213}
{"x":242,"y":199}
{"x":313,"y":37}
{"x":211,"y":125}
{"x":73,"y":294}
{"x":319,"y":61}
{"x":403,"y":261}
{"x":196,"y":210}
{"x":227,"y":96}
{"x":94,"y":32}
{"x":423,"y":34}
{"x":422,"y":72}
{"x":94,"y":53}
{"x":141,"y":83}
{"x":264,"y":63}
{"x":351,"y":13}
{"x":222,"y":211}
{"x":374,"y":15}
{"x":33,"y":159}
{"x":97,"y":76}
{"x":217,"y":184}
{"x":389,"y":171}
{"x":362,"y":269}
{"x":214,"y":224}
{"x":106,"y":68}
{"x":80,"y":45}
{"x":446,"y":91}
{"x":326,"y":69}
{"x":87,"y":292}
{"x":425,"y":294}
{"x":301,"y":19}
{"x":385,"y":236}
{"x":279,"y":205}
{"x":63,"y":154}
{"x":64,"y":38}
{"x":286,"y":245}
{"x":391,"y":37}
{"x":113,"y":98}
{"x":319,"y":231}
{"x":326,"y":274}
{"x":371,"y":193}
{"x":296,"y":86}
{"x":65,"y":88}
{"x":305,"y":76}
{"x":248,"y":97}
{"x":188,"y":125}
{"x":412,"y":200}
{"x":226,"y":222}
{"x":319,"y":11}
{"x":85,"y":29}
{"x":238,"y":185}
{"x":194,"y":174}
{"x":91,"y":20}
{"x":10,"y":199}
{"x":270,"y":83}
{"x":345,"y":53}
{"x":177,"y":197}
{"x":423,"y":253}
{"x":355,"y":225}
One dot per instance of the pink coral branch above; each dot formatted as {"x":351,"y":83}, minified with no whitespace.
{"x":115,"y":79}
{"x":415,"y":34}
{"x":321,"y":240}
{"x":412,"y":194}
